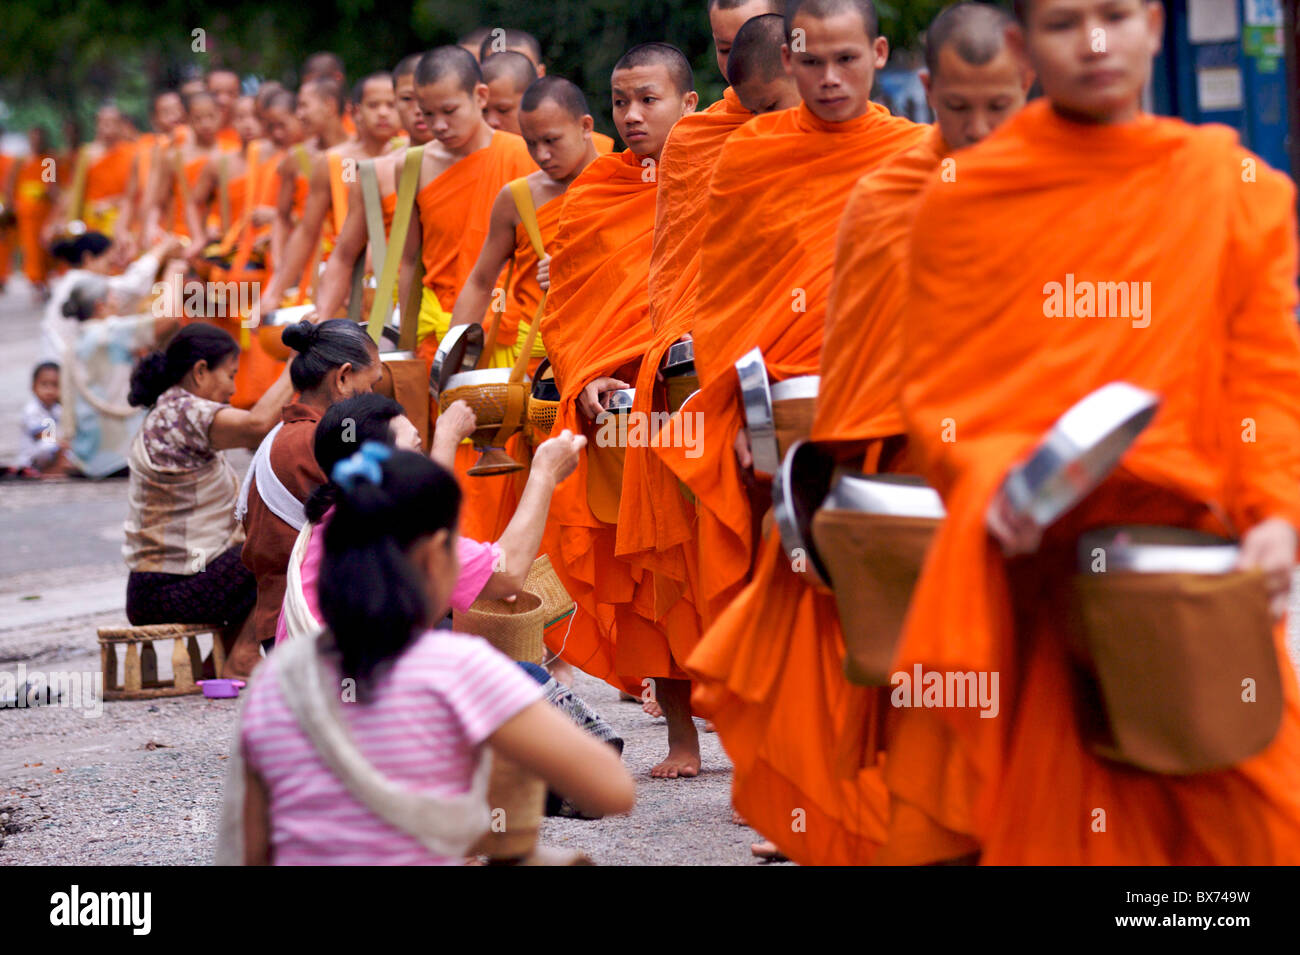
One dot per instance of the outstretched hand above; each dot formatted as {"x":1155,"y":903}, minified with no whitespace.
{"x":1269,"y":547}
{"x":1017,"y":533}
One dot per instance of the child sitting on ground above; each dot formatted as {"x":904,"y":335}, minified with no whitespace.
{"x":42,"y":451}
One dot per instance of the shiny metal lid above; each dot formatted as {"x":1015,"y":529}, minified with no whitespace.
{"x":1080,"y":451}
{"x":804,"y":386}
{"x":1149,"y":549}
{"x":756,"y":396}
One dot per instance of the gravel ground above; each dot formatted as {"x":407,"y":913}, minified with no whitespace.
{"x":141,"y":785}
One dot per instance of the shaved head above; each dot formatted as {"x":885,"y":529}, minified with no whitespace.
{"x":472,"y":40}
{"x":513,"y":66}
{"x":975,"y":31}
{"x":323,"y":65}
{"x":359,"y":88}
{"x":329,"y":90}
{"x":449,"y":61}
{"x":822,"y":9}
{"x":499,"y":40}
{"x":558,"y":90}
{"x":756,"y":51}
{"x":281,"y":99}
{"x":660,"y":54}
{"x":406,"y":66}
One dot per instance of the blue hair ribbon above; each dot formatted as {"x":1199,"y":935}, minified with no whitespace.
{"x":362,"y":466}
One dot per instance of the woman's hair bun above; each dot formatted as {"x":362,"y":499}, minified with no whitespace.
{"x":300,"y":336}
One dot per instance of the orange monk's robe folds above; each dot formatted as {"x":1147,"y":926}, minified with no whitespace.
{"x":774,"y":207}
{"x":455,"y":217}
{"x":596,"y":324}
{"x":771,"y":668}
{"x":990,"y":350}
{"x":656,"y":522}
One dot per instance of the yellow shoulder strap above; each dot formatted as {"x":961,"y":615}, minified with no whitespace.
{"x":523,"y":197}
{"x":381,"y":308}
{"x":76,"y":208}
{"x":304,"y":160}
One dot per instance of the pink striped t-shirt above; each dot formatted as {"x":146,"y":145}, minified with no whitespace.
{"x":423,"y":728}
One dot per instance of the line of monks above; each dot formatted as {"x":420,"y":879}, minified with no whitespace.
{"x":902,"y":263}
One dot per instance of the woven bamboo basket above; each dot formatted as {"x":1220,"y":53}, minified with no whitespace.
{"x":516,"y":798}
{"x":543,"y":581}
{"x":499,"y":407}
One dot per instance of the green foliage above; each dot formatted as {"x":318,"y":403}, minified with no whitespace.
{"x":65,"y":56}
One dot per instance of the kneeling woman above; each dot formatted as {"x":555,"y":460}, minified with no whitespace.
{"x":182,"y":541}
{"x":398,"y":777}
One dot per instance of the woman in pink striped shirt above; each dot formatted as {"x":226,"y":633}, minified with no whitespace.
{"x":428,"y":701}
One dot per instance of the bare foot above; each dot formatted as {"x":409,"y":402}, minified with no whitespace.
{"x":709,"y":727}
{"x":562,"y":672}
{"x":682,"y":762}
{"x":768,"y":852}
{"x":738,"y":819}
{"x":652,"y":708}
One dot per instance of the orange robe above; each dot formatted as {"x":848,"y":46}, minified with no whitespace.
{"x":33,"y":206}
{"x":455,"y":216}
{"x":981,"y":347}
{"x":7,"y":233}
{"x":596,"y":324}
{"x":775,"y":202}
{"x":190,"y":170}
{"x":656,"y":523}
{"x":604,"y":144}
{"x":106,"y":181}
{"x":771,"y":668}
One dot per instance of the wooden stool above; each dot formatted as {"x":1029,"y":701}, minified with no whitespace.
{"x":142,"y":681}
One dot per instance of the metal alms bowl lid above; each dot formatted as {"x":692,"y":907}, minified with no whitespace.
{"x":680,"y":359}
{"x":756,"y":396}
{"x":897,"y":495}
{"x":1080,"y":451}
{"x":799,"y":486}
{"x":289,"y":315}
{"x":1150,"y":549}
{"x":545,"y":387}
{"x":619,"y":402}
{"x":804,"y":386}
{"x":477,"y":377}
{"x":459,"y":349}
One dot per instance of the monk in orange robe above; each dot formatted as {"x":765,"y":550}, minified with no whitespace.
{"x":336,"y":282}
{"x":462,"y":171}
{"x":179,"y":173}
{"x":329,"y":66}
{"x":166,"y":115}
{"x":224,"y":87}
{"x":8,"y":221}
{"x":33,"y":205}
{"x":656,"y":522}
{"x":778,"y":191}
{"x":772,"y":666}
{"x":333,"y":169}
{"x":101,"y":171}
{"x":557,"y":129}
{"x":507,"y":75}
{"x":597,"y":330}
{"x":1207,"y":233}
{"x":286,"y":187}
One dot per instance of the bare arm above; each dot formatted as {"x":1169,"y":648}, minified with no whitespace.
{"x":474,"y":298}
{"x":282,"y":226}
{"x":305,"y":235}
{"x":555,"y":460}
{"x":410,"y":257}
{"x":336,"y":283}
{"x":574,"y":763}
{"x":235,"y":428}
{"x":200,"y":199}
{"x":257,"y":821}
{"x":160,"y":188}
